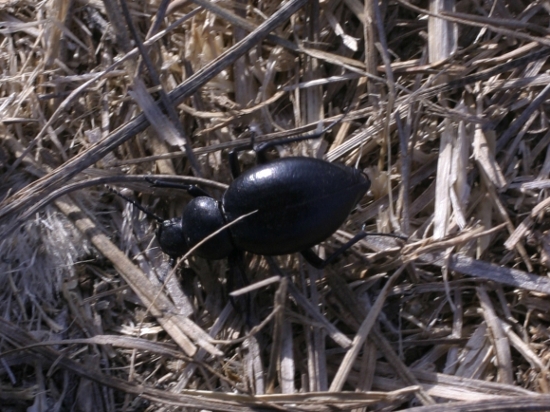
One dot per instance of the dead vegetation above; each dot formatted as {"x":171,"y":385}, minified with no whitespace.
{"x":447,"y":114}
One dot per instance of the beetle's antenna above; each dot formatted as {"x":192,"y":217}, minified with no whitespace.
{"x":136,"y":204}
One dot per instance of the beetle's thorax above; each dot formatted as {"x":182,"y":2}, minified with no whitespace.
{"x":201,"y":218}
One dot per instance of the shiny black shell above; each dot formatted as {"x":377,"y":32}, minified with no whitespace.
{"x":300,"y":201}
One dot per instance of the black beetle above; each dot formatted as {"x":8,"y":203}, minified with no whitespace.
{"x":299,"y":202}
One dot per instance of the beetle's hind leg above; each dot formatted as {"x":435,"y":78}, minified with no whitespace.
{"x":314,"y":260}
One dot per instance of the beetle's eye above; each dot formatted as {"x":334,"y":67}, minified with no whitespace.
{"x":171,"y":238}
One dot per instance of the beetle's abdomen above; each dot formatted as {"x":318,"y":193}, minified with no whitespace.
{"x":300,"y":201}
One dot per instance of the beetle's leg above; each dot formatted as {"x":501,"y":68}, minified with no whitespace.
{"x":234,"y":157}
{"x":319,"y":263}
{"x":313,"y":259}
{"x":193,"y":190}
{"x":262,"y":148}
{"x":234,"y":162}
{"x":236,"y":279}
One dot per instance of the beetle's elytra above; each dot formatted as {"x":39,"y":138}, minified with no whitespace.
{"x":300,"y":201}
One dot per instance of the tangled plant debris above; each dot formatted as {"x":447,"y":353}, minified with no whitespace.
{"x":446,"y":112}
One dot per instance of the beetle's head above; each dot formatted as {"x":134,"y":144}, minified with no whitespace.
{"x":171,"y":238}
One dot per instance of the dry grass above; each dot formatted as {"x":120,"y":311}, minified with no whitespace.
{"x":447,"y":116}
